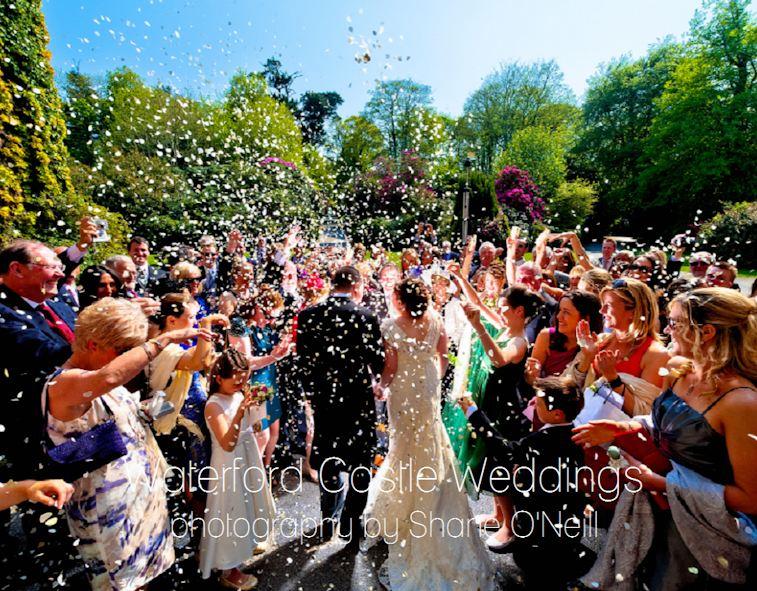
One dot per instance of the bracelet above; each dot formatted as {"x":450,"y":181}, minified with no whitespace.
{"x":150,"y":354}
{"x":158,"y":344}
{"x":616,"y":383}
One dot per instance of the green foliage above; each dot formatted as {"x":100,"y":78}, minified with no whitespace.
{"x":177,"y":168}
{"x":316,"y":110}
{"x":701,"y":148}
{"x":731,"y":233}
{"x":385,"y":203}
{"x":358,"y":143}
{"x":37,"y":197}
{"x":673,"y":132}
{"x":280,"y":83}
{"x":514,"y":97}
{"x":618,"y":112}
{"x":86,"y":116}
{"x":395,"y":108}
{"x":541,"y":151}
{"x":571,"y":205}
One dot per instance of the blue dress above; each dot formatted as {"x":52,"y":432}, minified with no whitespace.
{"x":263,"y":340}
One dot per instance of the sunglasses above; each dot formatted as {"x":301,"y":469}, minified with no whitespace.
{"x":698,"y":264}
{"x":635,"y":267}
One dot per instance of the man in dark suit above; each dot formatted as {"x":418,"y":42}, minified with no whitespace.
{"x":339,"y":352}
{"x":149,"y":277}
{"x":36,"y":332}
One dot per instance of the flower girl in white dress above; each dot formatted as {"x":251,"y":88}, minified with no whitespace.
{"x":240,"y":510}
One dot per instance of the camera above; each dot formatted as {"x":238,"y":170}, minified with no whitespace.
{"x":102,"y":230}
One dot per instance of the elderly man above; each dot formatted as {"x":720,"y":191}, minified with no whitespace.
{"x":123,"y":267}
{"x":447,"y":253}
{"x":36,"y":332}
{"x":487,"y":252}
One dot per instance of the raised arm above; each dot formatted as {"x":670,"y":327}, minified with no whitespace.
{"x":466,"y":288}
{"x":512,"y":353}
{"x":195,"y":359}
{"x":72,"y":391}
{"x":579,"y":250}
{"x":468,"y":252}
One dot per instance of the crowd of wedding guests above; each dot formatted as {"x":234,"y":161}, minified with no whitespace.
{"x":123,"y":380}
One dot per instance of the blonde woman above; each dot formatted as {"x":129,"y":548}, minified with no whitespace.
{"x":188,"y":276}
{"x":704,"y":422}
{"x":118,"y":510}
{"x":594,"y":280}
{"x":621,"y":369}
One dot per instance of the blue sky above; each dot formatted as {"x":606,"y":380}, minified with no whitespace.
{"x":195,"y":45}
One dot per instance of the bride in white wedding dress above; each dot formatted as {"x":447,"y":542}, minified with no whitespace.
{"x":416,"y":501}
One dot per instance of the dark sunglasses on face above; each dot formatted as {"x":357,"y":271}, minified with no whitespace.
{"x":635,"y":267}
{"x":698,"y":264}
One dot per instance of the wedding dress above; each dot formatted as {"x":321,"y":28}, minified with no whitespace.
{"x":416,"y":501}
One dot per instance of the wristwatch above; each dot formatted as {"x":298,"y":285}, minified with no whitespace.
{"x":616,"y":383}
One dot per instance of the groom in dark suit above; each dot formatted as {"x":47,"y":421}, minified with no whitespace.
{"x":339,"y":352}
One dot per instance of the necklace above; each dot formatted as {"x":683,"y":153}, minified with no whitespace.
{"x":702,"y":394}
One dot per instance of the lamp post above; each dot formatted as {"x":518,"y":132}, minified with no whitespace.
{"x":467,"y":163}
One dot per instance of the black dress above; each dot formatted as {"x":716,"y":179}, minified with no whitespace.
{"x":503,"y":405}
{"x":683,"y":435}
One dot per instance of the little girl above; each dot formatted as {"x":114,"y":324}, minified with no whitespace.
{"x":240,"y":509}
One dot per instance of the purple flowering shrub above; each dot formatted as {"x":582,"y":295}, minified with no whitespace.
{"x":274,"y":160}
{"x":518,"y":193}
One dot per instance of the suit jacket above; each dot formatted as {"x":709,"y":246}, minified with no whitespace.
{"x":551,"y":493}
{"x":339,"y":350}
{"x":31,"y":350}
{"x":153,"y":286}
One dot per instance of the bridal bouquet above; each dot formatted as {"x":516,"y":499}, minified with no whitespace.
{"x":259,"y":393}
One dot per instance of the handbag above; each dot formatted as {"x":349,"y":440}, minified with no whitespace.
{"x":86,"y":452}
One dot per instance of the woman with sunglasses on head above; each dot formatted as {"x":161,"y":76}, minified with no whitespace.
{"x":704,"y":422}
{"x":188,"y":276}
{"x":557,"y":346}
{"x":621,"y":369}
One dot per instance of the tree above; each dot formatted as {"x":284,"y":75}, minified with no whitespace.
{"x":512,"y":98}
{"x":315,"y":112}
{"x":701,"y":146}
{"x":617,"y":115}
{"x":280,"y":83}
{"x":730,"y":233}
{"x":571,"y":204}
{"x":37,"y":197}
{"x":393,"y":107}
{"x":260,"y":125}
{"x":541,"y":152}
{"x":358,"y":143}
{"x":86,"y":116}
